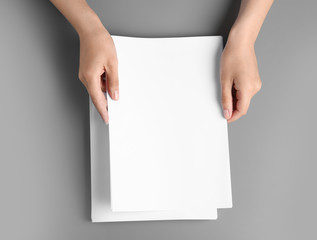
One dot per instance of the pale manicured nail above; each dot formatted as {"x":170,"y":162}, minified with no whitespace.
{"x":106,"y":119}
{"x":116,"y":95}
{"x":226,"y":114}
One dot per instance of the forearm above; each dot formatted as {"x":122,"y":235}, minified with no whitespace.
{"x":80,"y":15}
{"x":249,"y":21}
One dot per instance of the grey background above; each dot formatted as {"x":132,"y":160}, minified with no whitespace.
{"x":44,"y":124}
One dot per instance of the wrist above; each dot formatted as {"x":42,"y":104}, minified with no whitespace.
{"x":242,"y":34}
{"x":89,"y":24}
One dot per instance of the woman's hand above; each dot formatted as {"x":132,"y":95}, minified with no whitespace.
{"x":98,"y":60}
{"x":239,"y":77}
{"x":98,"y":57}
{"x":239,"y":74}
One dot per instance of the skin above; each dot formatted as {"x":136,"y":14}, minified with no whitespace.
{"x":239,"y":75}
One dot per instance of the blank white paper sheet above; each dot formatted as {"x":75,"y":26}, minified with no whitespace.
{"x":164,"y":154}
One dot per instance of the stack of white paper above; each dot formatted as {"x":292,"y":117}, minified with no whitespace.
{"x":164,"y":154}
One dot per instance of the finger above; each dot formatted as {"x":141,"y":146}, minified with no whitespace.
{"x":112,"y":80}
{"x":103,"y":82}
{"x":99,"y":100}
{"x":226,"y":97}
{"x":242,"y":105}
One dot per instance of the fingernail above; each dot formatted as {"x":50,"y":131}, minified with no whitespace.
{"x":106,"y":119}
{"x":116,"y":95}
{"x":226,"y":114}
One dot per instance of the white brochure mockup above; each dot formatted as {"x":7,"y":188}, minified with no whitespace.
{"x":164,"y":154}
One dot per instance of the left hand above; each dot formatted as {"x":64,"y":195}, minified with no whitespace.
{"x":240,"y":79}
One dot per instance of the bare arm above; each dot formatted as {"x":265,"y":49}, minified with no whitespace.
{"x":98,"y":56}
{"x":240,"y":79}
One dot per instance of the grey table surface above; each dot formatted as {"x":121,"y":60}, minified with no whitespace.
{"x":44,"y":124}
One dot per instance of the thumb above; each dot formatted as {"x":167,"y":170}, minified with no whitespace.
{"x":226,"y":98}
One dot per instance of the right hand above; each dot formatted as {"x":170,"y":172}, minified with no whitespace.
{"x":98,"y":61}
